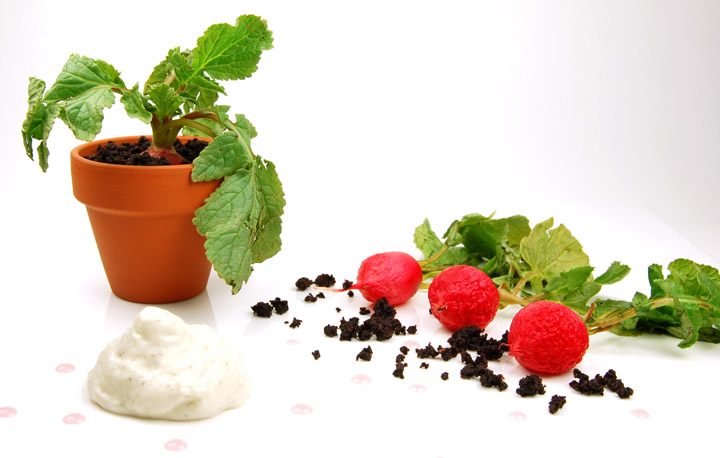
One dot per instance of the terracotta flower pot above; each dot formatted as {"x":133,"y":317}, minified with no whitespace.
{"x":141,"y":217}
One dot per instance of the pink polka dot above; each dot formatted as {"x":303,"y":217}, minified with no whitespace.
{"x":361,"y":379}
{"x":411,"y":344}
{"x":301,"y":409}
{"x":417,"y":388}
{"x":73,"y":419}
{"x":639,"y":413}
{"x":293,"y":342}
{"x":7,"y":412}
{"x":518,"y":416}
{"x":176,"y":445}
{"x":65,"y":368}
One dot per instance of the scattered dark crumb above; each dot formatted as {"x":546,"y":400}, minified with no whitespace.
{"x":303,"y":283}
{"x":616,"y":385}
{"x":530,"y":386}
{"x":295,"y":323}
{"x":347,"y":284}
{"x":325,"y":280}
{"x":331,"y":331}
{"x":316,"y":354}
{"x":404,"y":350}
{"x":444,"y":376}
{"x":382,"y":324}
{"x":320,"y":295}
{"x":350,"y":293}
{"x":365,"y":354}
{"x":428,"y":352}
{"x":399,"y":371}
{"x":262,"y":309}
{"x":280,"y":305}
{"x":556,"y":403}
{"x":587,"y":386}
{"x":424,"y":365}
{"x":365,"y":311}
{"x":472,"y":338}
{"x":489,"y":379}
{"x":310,"y":298}
{"x":473,"y":368}
{"x":400,"y":358}
{"x":412,"y":329}
{"x":338,"y":309}
{"x":448,"y":353}
{"x":596,"y":386}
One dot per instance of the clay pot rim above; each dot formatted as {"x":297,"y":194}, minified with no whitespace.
{"x":90,"y":147}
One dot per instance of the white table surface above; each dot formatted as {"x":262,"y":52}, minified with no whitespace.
{"x":377,"y":116}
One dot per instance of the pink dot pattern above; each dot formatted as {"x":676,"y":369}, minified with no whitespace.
{"x":293,"y":342}
{"x":361,"y":379}
{"x":65,"y":368}
{"x":7,"y":412}
{"x":639,"y":413}
{"x":417,"y":388}
{"x":73,"y":419}
{"x":176,"y":445}
{"x":517,"y":416}
{"x":301,"y":409}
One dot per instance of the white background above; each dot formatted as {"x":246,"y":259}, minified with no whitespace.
{"x":378,"y":114}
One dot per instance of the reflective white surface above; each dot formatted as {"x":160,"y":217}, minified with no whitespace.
{"x":378,"y":115}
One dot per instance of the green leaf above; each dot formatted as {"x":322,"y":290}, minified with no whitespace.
{"x":228,"y":52}
{"x":241,"y":222}
{"x":614,"y":274}
{"x":86,"y":86}
{"x":84,"y":112}
{"x":268,"y":242}
{"x":134,"y":105}
{"x":166,"y":100}
{"x":429,"y":243}
{"x":221,"y":157}
{"x":38,"y":122}
{"x":549,"y":252}
{"x":570,"y":280}
{"x":690,"y":323}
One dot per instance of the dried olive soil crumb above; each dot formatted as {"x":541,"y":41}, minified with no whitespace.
{"x":596,"y":385}
{"x":295,"y":323}
{"x":530,"y":385}
{"x":399,"y":371}
{"x":134,"y":153}
{"x":316,"y":354}
{"x":556,"y":403}
{"x":280,"y":306}
{"x":444,"y":376}
{"x":325,"y":280}
{"x":365,"y":354}
{"x":382,"y":324}
{"x":303,"y":283}
{"x":262,"y":309}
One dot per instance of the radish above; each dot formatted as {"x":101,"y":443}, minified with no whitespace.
{"x":168,"y":152}
{"x":463,"y":296}
{"x":395,"y":276}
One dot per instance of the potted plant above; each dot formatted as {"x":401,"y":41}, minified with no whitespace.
{"x":222,"y":210}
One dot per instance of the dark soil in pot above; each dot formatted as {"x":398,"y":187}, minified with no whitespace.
{"x":134,"y":153}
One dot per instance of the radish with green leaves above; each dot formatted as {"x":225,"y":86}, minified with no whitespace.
{"x":242,"y":219}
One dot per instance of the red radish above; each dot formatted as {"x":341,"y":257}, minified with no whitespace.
{"x":547,"y":338}
{"x":463,"y":296}
{"x":168,"y":152}
{"x":394,"y":275}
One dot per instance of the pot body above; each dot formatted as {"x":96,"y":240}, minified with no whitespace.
{"x":141,"y":217}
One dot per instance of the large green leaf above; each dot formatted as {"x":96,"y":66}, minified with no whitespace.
{"x":228,"y":52}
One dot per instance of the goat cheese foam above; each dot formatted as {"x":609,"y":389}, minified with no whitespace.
{"x":166,"y":369}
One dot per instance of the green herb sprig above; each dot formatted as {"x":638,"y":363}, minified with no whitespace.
{"x":548,"y":263}
{"x":242,"y":219}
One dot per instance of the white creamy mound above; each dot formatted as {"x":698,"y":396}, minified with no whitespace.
{"x":163,"y":368}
